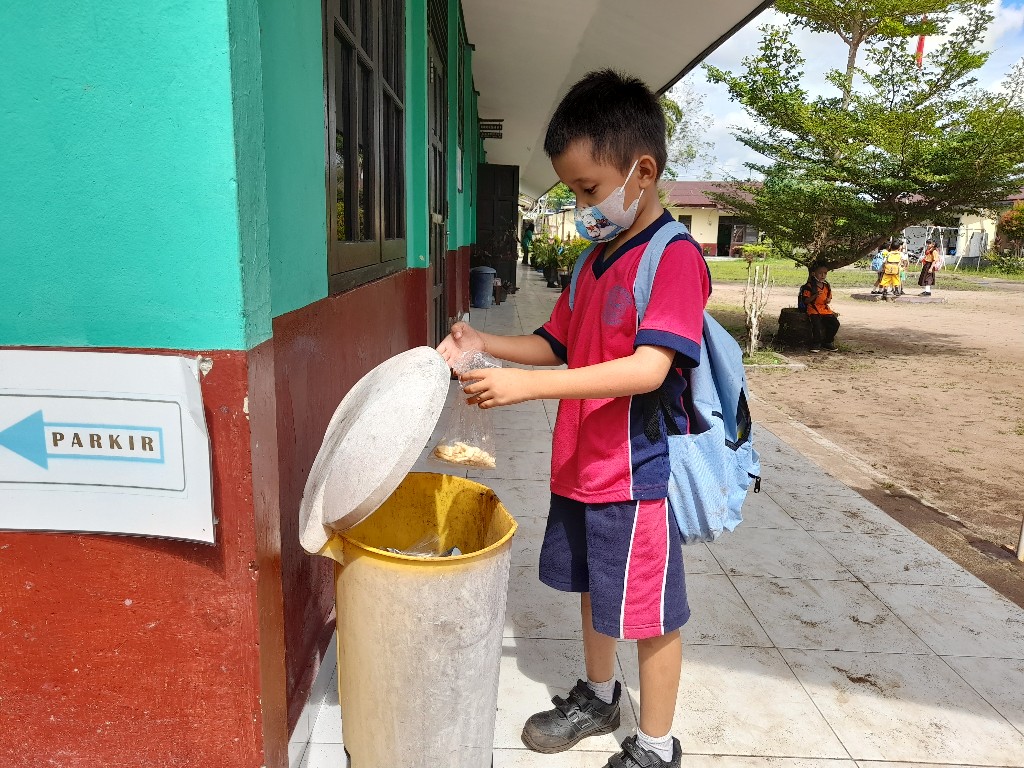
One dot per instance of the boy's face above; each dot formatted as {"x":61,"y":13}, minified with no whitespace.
{"x":592,"y":181}
{"x":820,"y":274}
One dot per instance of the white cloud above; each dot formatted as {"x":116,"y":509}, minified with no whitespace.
{"x":823,"y":52}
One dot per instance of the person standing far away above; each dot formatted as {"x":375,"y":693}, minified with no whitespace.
{"x":891,"y":267}
{"x":931,"y":262}
{"x":817,"y":297}
{"x":610,"y":534}
{"x":527,"y":240}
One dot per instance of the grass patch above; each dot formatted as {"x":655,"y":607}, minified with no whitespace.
{"x":788,"y":274}
{"x":764,"y":356}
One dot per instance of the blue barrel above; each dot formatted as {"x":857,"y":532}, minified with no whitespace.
{"x":481,"y":286}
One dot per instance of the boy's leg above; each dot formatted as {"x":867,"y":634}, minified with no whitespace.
{"x":598,"y":649}
{"x":661,"y":662}
{"x":583,"y":712}
{"x":815,"y":322}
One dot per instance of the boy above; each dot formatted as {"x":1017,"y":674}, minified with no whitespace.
{"x":817,"y":296}
{"x":610,"y":535}
{"x":877,"y":260}
{"x":891,"y":268}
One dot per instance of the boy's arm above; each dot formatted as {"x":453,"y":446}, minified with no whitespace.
{"x":526,"y":350}
{"x":643,"y":371}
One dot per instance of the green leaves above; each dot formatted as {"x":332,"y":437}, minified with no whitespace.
{"x":845,"y":173}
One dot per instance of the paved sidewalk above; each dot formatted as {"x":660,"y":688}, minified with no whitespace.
{"x":823,"y":632}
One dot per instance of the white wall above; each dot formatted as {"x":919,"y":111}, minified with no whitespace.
{"x":704,"y":226}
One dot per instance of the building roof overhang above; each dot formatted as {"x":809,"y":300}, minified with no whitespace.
{"x":528,"y":54}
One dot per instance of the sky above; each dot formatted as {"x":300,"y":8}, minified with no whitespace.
{"x":1005,"y":40}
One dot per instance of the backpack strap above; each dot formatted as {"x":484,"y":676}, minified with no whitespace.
{"x":576,"y":274}
{"x":649,"y":265}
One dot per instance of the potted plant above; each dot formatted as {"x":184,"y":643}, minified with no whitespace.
{"x":571,"y":251}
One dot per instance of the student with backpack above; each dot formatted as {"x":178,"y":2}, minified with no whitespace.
{"x":611,"y":535}
{"x":892,"y":266}
{"x":815,"y":299}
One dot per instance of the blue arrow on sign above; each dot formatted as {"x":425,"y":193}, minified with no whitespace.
{"x":27,"y":438}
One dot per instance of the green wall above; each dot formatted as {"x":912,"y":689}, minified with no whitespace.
{"x":293,"y":103}
{"x":417,"y":135}
{"x":121,"y":221}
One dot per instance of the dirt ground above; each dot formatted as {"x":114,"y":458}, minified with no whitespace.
{"x":922,"y":411}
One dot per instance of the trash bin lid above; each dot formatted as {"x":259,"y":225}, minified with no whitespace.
{"x":376,"y":435}
{"x":490,"y":270}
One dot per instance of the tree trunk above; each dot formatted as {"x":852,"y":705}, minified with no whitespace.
{"x":856,"y":38}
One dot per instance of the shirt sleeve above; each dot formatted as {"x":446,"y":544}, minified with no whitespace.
{"x":556,"y":330}
{"x":675,"y":314}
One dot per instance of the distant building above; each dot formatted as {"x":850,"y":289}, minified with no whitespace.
{"x":719,"y":232}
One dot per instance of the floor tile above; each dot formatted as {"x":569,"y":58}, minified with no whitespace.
{"x":760,"y":511}
{"x":718,"y":614}
{"x":958,"y":621}
{"x":734,"y":761}
{"x":998,"y":681}
{"x":538,"y":611}
{"x":324,"y":756}
{"x":888,"y":764}
{"x":575,"y":758}
{"x":825,"y":615}
{"x":904,"y":707}
{"x":327,"y":728}
{"x":527,"y":541}
{"x":532,"y":671}
{"x":697,"y":558}
{"x":529,"y":422}
{"x":522,"y":498}
{"x":520,"y":440}
{"x":894,"y":559}
{"x":838,"y":515}
{"x":775,"y":552}
{"x":745,"y":701}
{"x":515,"y":466}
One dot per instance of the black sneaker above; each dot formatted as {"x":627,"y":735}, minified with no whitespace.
{"x":574,"y":718}
{"x":830,"y":348}
{"x":815,"y":349}
{"x":635,"y":756}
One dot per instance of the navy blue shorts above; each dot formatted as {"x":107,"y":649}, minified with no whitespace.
{"x":627,"y":555}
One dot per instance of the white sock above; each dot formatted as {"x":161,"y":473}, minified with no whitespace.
{"x":661,"y":747}
{"x":604,"y":691}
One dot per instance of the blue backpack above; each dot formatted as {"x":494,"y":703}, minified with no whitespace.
{"x":877,"y":261}
{"x":711,"y":468}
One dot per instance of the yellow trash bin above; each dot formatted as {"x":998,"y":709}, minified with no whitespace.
{"x":419,"y":638}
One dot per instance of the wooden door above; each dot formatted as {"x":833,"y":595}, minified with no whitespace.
{"x":497,"y":217}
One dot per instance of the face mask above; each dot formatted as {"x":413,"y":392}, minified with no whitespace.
{"x":601,"y":223}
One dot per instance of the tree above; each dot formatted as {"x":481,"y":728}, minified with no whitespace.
{"x":686,"y":125}
{"x":845,"y":174}
{"x":862,"y":22}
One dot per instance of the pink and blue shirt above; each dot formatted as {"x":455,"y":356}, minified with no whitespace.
{"x":615,"y":449}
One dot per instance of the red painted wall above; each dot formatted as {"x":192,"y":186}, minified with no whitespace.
{"x":319,"y":352}
{"x":135,"y":652}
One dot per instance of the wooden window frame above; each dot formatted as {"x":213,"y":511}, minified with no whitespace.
{"x":374,"y":70}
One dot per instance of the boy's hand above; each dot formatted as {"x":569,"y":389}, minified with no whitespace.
{"x":462,"y":339}
{"x":492,"y":387}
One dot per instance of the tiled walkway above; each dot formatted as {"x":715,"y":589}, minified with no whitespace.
{"x":823,"y":632}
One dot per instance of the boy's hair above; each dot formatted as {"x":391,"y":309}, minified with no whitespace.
{"x":619,"y":114}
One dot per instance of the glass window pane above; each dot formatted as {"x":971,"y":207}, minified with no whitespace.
{"x":394,"y":171}
{"x":366,"y":26}
{"x":365,"y":164}
{"x":343,"y":103}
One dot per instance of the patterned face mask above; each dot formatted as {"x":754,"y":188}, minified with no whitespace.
{"x":600,"y":223}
